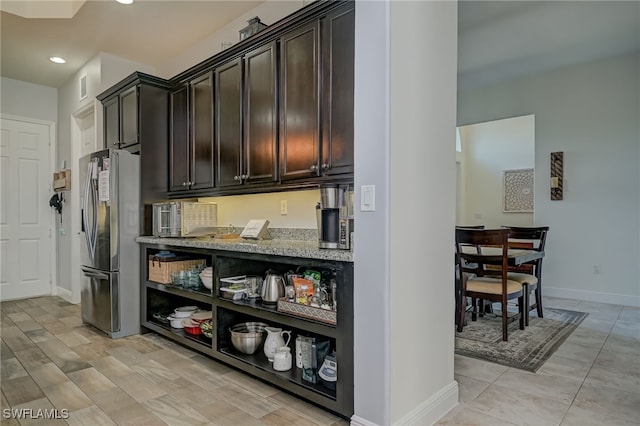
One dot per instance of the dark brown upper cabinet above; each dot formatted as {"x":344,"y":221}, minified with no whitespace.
{"x":246,"y":118}
{"x":337,"y":87}
{"x":300,"y":103}
{"x":202,"y":154}
{"x":228,"y":124}
{"x":179,"y":147}
{"x":121,"y":119}
{"x":191,"y":152}
{"x":136,"y":117}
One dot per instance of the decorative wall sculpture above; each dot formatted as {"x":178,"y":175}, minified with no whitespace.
{"x":517,"y":191}
{"x":557,"y":166}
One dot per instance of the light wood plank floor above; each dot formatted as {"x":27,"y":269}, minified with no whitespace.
{"x":50,"y":361}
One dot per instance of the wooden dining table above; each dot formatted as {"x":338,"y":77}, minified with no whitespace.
{"x":493,"y":255}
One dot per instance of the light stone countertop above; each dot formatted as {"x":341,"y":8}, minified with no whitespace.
{"x":278,"y":247}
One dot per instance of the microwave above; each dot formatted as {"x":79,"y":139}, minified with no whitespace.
{"x":184,"y":219}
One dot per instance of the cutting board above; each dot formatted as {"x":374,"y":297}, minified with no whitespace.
{"x":226,"y":236}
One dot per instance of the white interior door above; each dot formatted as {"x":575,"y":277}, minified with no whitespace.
{"x":25,"y":226}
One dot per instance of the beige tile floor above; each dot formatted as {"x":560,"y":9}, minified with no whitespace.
{"x":49,"y":360}
{"x":592,"y":379}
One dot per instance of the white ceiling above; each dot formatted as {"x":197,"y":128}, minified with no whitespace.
{"x":148,"y":31}
{"x":503,"y":40}
{"x":498,"y":40}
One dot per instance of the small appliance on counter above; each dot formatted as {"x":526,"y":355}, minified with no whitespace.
{"x":334,"y":214}
{"x":184,"y":219}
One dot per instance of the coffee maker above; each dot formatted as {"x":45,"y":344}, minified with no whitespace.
{"x":334,"y":214}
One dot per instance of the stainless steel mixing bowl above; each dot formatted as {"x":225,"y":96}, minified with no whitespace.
{"x":247,"y":337}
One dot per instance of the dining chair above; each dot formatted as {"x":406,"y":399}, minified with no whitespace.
{"x":496,"y":288}
{"x":457,"y":273}
{"x":529,"y":274}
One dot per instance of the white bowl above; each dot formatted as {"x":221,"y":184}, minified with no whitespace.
{"x":176,"y":322}
{"x":207,"y":281}
{"x":184,"y":311}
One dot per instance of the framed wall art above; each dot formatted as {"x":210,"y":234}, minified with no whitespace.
{"x":517,"y":191}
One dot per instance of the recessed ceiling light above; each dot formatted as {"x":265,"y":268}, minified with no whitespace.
{"x":125,"y":1}
{"x":57,"y":60}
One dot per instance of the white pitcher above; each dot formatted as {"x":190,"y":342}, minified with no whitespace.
{"x":274,"y":341}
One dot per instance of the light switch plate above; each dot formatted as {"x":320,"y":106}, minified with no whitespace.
{"x":368,"y":198}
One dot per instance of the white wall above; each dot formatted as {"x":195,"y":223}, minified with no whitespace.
{"x":488,"y":149}
{"x":422,"y":209}
{"x":404,"y":141}
{"x":591,"y":112}
{"x":372,"y":322}
{"x":113,"y":69}
{"x":269,"y":12}
{"x":102,"y":71}
{"x":28,"y":100}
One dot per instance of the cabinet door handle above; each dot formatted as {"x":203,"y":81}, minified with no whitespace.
{"x":184,"y":183}
{"x":325,"y":166}
{"x":236,"y":178}
{"x":115,"y":142}
{"x":314,"y":168}
{"x":245,"y":176}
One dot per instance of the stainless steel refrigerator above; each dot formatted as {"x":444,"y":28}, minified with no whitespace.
{"x":110,"y":211}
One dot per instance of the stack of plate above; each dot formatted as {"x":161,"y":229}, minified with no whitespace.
{"x":206,"y":276}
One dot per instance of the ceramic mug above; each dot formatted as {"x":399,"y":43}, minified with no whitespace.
{"x":282,"y":359}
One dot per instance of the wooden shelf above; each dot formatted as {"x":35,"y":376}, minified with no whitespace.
{"x":272,"y":314}
{"x":294,"y":375}
{"x":199,"y":342}
{"x":198,"y":295}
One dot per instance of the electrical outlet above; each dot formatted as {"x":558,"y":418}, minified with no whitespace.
{"x":283,"y":207}
{"x":596,"y":269}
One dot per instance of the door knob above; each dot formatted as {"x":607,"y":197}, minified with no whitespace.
{"x":236,"y":178}
{"x":314,"y":168}
{"x":325,"y":166}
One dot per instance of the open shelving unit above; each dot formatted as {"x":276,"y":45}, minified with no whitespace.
{"x":158,"y":297}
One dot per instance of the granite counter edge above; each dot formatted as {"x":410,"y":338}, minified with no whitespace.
{"x":305,"y":250}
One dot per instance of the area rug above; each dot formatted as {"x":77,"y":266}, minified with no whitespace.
{"x":526,"y":349}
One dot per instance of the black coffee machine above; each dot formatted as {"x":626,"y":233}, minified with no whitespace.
{"x":334,"y":213}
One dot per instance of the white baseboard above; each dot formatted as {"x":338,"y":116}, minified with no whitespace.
{"x":434,"y":408}
{"x":592,"y":296}
{"x":427,"y":413}
{"x":359,"y":421}
{"x":66,"y":295}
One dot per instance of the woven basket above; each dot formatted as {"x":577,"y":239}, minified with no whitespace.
{"x":160,"y":269}
{"x":310,"y":312}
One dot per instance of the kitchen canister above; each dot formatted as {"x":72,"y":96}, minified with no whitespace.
{"x":298,"y":352}
{"x":282,"y":359}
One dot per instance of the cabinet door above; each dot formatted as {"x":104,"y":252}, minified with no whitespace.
{"x":111,"y":123}
{"x":228,"y":124}
{"x":337,"y":83}
{"x":202,"y":154}
{"x":260,"y":149}
{"x":129,"y":117}
{"x":179,"y":140}
{"x":299,"y":103}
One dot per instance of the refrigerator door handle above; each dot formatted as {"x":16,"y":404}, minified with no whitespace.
{"x":94,"y":231}
{"x":85,"y":209}
{"x":95,"y":274}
